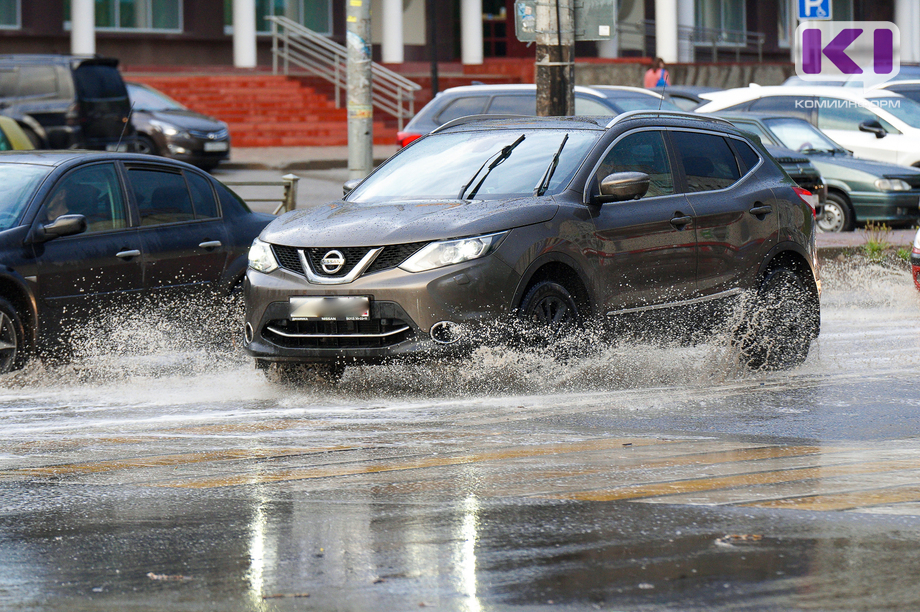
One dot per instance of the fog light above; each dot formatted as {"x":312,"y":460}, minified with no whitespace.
{"x":446,"y":332}
{"x":249,"y":332}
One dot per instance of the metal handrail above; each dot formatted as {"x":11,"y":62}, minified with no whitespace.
{"x":288,"y":200}
{"x":294,"y":44}
{"x":715,"y":38}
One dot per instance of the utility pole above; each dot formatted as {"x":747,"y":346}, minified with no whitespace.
{"x":360,"y":104}
{"x":555,"y":65}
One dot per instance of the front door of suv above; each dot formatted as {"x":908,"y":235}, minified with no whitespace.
{"x":737,"y":217}
{"x":646,"y":248}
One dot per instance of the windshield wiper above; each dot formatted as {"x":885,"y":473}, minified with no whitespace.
{"x":543,"y":185}
{"x":504,"y":154}
{"x":807,"y":151}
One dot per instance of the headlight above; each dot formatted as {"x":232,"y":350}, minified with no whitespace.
{"x":886,"y":184}
{"x":168,"y":129}
{"x":440,"y":254}
{"x":261,"y":257}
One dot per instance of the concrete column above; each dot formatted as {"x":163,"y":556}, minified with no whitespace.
{"x":471,"y":32}
{"x":244,"y":33}
{"x":666,"y":30}
{"x":686,"y":19}
{"x":83,"y":27}
{"x":907,"y":18}
{"x":392,"y":47}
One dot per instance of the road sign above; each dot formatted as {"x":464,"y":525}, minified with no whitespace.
{"x":594,"y":20}
{"x":813,"y":10}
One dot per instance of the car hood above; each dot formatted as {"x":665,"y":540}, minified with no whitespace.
{"x":340,"y":223}
{"x":840,"y":164}
{"x":186,"y":119}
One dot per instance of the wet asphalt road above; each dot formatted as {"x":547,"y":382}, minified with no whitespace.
{"x":159,"y":471}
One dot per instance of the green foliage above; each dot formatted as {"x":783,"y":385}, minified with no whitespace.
{"x":876,"y":235}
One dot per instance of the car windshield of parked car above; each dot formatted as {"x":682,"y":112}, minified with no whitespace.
{"x":19,"y":184}
{"x":903,"y":108}
{"x":145,"y":99}
{"x":799,"y":135}
{"x":488,"y":164}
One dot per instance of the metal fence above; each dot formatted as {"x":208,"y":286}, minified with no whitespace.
{"x":288,"y":200}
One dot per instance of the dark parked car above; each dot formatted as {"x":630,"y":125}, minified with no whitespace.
{"x":859,"y":190}
{"x":687,"y":97}
{"x":555,"y":221}
{"x":67,"y":102}
{"x":82,"y":231}
{"x":165,"y":127}
{"x":458,"y":102}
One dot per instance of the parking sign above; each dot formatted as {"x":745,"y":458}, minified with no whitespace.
{"x":810,"y":10}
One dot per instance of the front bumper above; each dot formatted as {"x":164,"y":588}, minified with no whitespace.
{"x":886,"y":205}
{"x":404,"y":307}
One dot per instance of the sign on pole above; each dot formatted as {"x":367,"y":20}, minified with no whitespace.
{"x":594,"y":20}
{"x":814,"y":10}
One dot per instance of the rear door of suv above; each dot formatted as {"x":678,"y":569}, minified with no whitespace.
{"x":736,"y":213}
{"x":103,"y":105}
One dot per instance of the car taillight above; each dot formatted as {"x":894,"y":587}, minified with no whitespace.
{"x":810,"y":199}
{"x":404,"y":138}
{"x":916,"y":273}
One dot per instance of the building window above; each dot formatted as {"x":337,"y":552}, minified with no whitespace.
{"x":9,"y":14}
{"x":150,"y":15}
{"x":314,"y":14}
{"x":727,"y":17}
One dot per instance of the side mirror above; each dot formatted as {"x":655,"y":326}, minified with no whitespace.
{"x":349,"y":186}
{"x":621,"y":186}
{"x":873,"y":127}
{"x":65,"y":225}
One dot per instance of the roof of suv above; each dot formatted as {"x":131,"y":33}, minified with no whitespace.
{"x":664,"y":118}
{"x":37,"y":58}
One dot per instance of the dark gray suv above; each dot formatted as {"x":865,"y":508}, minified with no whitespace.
{"x":553,"y":222}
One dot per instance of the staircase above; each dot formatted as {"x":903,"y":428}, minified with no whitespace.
{"x":264,"y":110}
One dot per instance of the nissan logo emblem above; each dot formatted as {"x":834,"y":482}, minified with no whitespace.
{"x":332,"y":262}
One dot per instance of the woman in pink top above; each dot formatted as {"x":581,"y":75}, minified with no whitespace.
{"x":657,"y":75}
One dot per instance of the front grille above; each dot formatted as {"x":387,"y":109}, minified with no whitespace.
{"x":374,"y":333}
{"x":211,"y":134}
{"x":391,"y":256}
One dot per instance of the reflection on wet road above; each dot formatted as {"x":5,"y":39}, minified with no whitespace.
{"x":155,"y":476}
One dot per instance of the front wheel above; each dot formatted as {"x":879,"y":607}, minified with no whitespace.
{"x":12,"y":339}
{"x":838,"y":215}
{"x":146,"y":146}
{"x":780,"y":326}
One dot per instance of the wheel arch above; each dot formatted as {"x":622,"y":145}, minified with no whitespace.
{"x":562,"y":269}
{"x":14,"y":289}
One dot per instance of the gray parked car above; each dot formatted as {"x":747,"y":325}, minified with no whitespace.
{"x":554,"y":222}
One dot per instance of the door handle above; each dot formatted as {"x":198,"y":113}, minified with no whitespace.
{"x":761,"y":211}
{"x":128,"y":254}
{"x":680,"y":220}
{"x":210,"y":244}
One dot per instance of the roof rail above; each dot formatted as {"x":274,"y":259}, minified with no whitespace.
{"x":664,"y":113}
{"x":470,"y":118}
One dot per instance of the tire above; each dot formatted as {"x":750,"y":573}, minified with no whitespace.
{"x":785,"y":318}
{"x":838,"y":215}
{"x":13,"y":350}
{"x":547,"y":314}
{"x":301,"y":374}
{"x":33,"y":137}
{"x":146,"y":146}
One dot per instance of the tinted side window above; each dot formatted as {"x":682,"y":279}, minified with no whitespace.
{"x":202,"y":196}
{"x":748,"y":157}
{"x":787,"y":105}
{"x":162,"y":197}
{"x":93,"y":192}
{"x":641,"y":152}
{"x":5,"y":142}
{"x":709,"y":163}
{"x":845,"y":115}
{"x":461,"y":107}
{"x":99,"y":82}
{"x":37,"y":81}
{"x":585,"y":107}
{"x":513,"y":105}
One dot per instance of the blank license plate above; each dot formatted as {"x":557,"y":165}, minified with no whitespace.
{"x":351,"y":308}
{"x":216,"y":146}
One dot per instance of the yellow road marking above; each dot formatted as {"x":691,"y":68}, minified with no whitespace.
{"x":845,"y":501}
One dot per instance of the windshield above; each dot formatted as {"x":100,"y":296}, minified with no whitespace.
{"x":19,"y":184}
{"x":442,"y":166}
{"x":904,"y":109}
{"x":145,"y":99}
{"x":799,"y":135}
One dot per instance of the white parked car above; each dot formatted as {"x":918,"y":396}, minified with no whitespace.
{"x":880,"y":124}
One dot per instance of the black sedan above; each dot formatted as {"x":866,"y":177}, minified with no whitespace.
{"x":81,"y":232}
{"x":165,"y":127}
